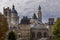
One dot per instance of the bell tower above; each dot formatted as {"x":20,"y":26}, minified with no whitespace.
{"x":39,"y":14}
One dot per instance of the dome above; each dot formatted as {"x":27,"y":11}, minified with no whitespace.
{"x":13,"y":10}
{"x":39,"y":26}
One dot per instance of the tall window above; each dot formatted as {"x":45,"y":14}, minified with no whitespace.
{"x":10,"y":28}
{"x":39,"y":35}
{"x":45,"y":34}
{"x":33,"y":34}
{"x":14,"y":27}
{"x":19,"y":36}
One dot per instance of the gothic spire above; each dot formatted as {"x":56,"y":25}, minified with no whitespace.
{"x":13,"y":7}
{"x":39,"y":14}
{"x":14,"y":10}
{"x":39,"y":8}
{"x":34,"y":16}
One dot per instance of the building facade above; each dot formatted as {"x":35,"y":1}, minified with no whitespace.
{"x":12,"y":19}
{"x":51,"y":24}
{"x":39,"y":31}
{"x":28,"y":28}
{"x":25,"y":28}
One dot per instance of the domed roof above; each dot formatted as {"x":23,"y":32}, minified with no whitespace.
{"x":13,"y":10}
{"x":39,"y":26}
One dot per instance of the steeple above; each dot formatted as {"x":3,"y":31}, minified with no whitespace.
{"x":14,"y":10}
{"x":13,"y":7}
{"x":34,"y":16}
{"x":39,"y":8}
{"x":39,"y":14}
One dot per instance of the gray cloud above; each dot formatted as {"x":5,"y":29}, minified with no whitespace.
{"x":50,"y":8}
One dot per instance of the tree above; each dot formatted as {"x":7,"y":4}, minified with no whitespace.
{"x":11,"y":36}
{"x":56,"y":29}
{"x":3,"y":27}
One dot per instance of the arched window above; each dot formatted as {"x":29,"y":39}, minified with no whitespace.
{"x":45,"y":34}
{"x":33,"y":34}
{"x":11,"y":36}
{"x":39,"y":35}
{"x":19,"y":36}
{"x":14,"y":27}
{"x":10,"y":28}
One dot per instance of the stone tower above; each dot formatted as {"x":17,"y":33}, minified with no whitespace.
{"x":51,"y":21}
{"x":7,"y":14}
{"x":25,"y":28}
{"x":39,"y":14}
{"x":51,"y":24}
{"x":12,"y":17}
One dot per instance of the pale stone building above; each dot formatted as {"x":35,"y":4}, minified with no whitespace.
{"x":51,"y":23}
{"x":28,"y":28}
{"x":38,"y":29}
{"x":25,"y":28}
{"x":13,"y":20}
{"x":12,"y":17}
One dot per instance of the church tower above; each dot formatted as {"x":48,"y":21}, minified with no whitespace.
{"x":7,"y":14}
{"x":39,"y":14}
{"x":14,"y":17}
{"x":34,"y":16}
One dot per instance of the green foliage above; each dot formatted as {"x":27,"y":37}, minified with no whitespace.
{"x":3,"y":27}
{"x":11,"y":36}
{"x":56,"y":29}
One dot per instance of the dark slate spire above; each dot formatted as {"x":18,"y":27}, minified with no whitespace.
{"x":14,"y":10}
{"x":39,"y":14}
{"x":34,"y":16}
{"x":13,"y":7}
{"x":39,"y":8}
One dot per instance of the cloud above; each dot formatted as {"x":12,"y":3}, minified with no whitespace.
{"x":50,"y":8}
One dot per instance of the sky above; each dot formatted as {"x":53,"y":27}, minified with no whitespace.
{"x":49,"y":8}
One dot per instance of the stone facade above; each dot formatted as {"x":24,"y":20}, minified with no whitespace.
{"x":13,"y":20}
{"x":28,"y":28}
{"x":25,"y":29}
{"x":12,"y":17}
{"x":51,"y":24}
{"x":39,"y":31}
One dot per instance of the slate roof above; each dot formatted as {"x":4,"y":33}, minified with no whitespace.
{"x":25,"y":20}
{"x":14,"y":10}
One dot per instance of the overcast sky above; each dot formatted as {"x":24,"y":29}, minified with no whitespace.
{"x":49,"y":8}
